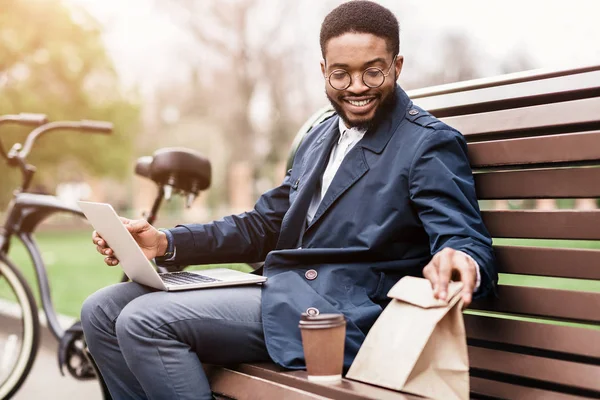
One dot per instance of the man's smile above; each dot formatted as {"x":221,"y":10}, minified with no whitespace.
{"x":361,"y":105}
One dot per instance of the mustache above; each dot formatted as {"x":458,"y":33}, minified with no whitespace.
{"x":386,"y":106}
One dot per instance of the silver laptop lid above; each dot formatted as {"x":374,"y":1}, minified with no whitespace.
{"x":133,"y":261}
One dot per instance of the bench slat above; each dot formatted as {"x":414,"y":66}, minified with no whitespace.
{"x":505,"y":390}
{"x":550,"y":183}
{"x":533,"y":224}
{"x":583,"y":376}
{"x":561,"y":88}
{"x":552,"y":303}
{"x":563,"y":339}
{"x":495,"y":81}
{"x":582,"y":263}
{"x":348,"y":389}
{"x":239,"y":386}
{"x":563,"y":115}
{"x":562,"y":148}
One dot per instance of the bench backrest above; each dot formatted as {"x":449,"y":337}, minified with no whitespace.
{"x":533,"y":135}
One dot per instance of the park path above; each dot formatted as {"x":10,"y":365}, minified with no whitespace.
{"x":46,"y":383}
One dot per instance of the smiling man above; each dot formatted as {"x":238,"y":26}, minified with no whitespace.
{"x":378,"y":191}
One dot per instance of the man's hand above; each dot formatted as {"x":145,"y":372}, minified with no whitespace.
{"x":451,"y":264}
{"x":152,"y":242}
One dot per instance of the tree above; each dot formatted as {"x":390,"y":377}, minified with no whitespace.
{"x":246,"y":58}
{"x":52,"y":61}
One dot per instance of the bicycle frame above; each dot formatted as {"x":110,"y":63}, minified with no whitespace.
{"x":27,"y":210}
{"x":25,"y":213}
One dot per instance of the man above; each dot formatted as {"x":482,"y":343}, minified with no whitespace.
{"x":378,"y":191}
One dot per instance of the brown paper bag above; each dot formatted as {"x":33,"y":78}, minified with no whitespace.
{"x":418,"y":344}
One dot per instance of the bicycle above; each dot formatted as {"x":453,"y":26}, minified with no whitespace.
{"x":174,"y":170}
{"x":24,"y":213}
{"x":179,"y":171}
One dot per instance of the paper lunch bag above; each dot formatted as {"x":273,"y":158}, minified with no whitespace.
{"x":418,"y":344}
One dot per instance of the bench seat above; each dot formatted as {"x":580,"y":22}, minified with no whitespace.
{"x":268,"y":381}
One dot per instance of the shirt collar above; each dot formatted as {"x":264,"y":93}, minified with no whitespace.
{"x":345,"y":130}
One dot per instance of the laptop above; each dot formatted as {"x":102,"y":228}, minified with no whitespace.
{"x":139,"y":269}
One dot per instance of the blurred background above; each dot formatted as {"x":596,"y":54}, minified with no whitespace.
{"x":233,"y":79}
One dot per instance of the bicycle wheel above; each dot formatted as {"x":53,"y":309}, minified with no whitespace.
{"x":19,"y":329}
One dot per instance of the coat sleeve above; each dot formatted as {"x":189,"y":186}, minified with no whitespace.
{"x":246,"y":237}
{"x":442,"y":190}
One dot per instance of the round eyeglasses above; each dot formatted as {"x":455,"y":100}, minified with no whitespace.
{"x":373,"y":77}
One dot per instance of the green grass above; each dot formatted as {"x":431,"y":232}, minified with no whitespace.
{"x":547,"y":282}
{"x":75,"y":269}
{"x":575,"y":244}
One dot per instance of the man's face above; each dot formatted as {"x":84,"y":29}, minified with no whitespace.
{"x":358,"y":105}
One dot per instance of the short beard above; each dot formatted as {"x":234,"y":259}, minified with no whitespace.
{"x":386,"y":106}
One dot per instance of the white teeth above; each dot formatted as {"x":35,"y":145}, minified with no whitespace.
{"x":359,"y":103}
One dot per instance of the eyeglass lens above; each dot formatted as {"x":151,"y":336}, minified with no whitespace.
{"x":372,"y":77}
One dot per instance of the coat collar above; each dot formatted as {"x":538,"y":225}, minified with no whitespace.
{"x":355,"y":164}
{"x":375,"y":140}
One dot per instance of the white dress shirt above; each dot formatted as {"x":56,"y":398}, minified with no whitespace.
{"x":348,"y":139}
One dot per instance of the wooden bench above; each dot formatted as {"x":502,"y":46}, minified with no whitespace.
{"x":533,"y":135}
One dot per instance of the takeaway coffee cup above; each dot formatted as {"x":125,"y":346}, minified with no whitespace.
{"x":323,"y":339}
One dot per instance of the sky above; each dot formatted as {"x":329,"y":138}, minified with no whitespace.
{"x":145,"y":44}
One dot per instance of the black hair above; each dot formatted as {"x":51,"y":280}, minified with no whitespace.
{"x":361,"y":16}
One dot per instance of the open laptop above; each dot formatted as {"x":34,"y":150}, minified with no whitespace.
{"x":139,"y":269}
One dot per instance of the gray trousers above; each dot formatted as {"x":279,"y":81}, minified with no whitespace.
{"x":150,"y":344}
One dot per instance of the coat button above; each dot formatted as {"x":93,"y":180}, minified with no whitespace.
{"x":414,"y":111}
{"x":311,"y":274}
{"x":312,"y":312}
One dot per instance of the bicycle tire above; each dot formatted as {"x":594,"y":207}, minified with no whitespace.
{"x":31,"y":329}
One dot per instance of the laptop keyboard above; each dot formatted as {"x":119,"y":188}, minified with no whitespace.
{"x":184,"y":278}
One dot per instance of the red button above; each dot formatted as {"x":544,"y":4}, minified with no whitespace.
{"x":311,"y":274}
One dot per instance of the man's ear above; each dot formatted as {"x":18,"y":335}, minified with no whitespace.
{"x":399,"y":64}
{"x":323,"y":68}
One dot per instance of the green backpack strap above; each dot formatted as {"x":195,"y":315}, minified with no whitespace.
{"x":310,"y":123}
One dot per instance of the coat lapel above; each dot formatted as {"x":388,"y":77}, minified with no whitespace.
{"x":351,"y":170}
{"x":293,"y":223}
{"x":355,"y":164}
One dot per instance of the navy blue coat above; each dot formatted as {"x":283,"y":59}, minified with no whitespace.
{"x":402,"y":194}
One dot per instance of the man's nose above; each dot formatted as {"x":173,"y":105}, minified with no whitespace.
{"x":357,"y":85}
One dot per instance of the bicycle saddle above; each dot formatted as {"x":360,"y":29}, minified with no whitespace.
{"x":183,"y":169}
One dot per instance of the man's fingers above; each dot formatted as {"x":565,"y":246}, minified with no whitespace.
{"x":107,"y":251}
{"x":97,"y":240}
{"x":136,"y":226}
{"x":111,"y":261}
{"x":444,"y":272}
{"x":430,"y":273}
{"x":101,"y":247}
{"x":467,"y":276}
